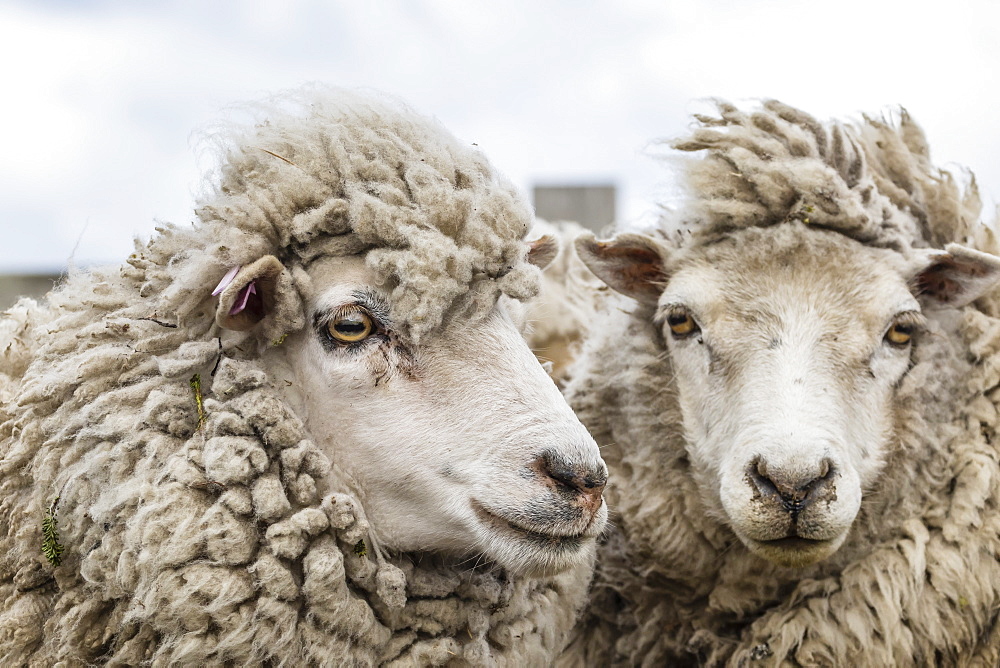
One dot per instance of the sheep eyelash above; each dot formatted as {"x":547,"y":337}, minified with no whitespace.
{"x":374,"y":303}
{"x":667,"y":310}
{"x":914,"y":319}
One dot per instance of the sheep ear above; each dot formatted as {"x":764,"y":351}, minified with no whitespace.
{"x":954,"y":277}
{"x":542,"y":251}
{"x":632,"y":264}
{"x":250,"y":294}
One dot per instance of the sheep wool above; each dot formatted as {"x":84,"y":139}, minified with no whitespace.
{"x":918,"y":580}
{"x":160,"y":504}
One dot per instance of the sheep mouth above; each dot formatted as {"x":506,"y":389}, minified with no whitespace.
{"x":794,"y":543}
{"x":509,"y":529}
{"x":794,"y":551}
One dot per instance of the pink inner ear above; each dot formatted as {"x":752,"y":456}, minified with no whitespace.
{"x":243,"y":297}
{"x":226,"y":280}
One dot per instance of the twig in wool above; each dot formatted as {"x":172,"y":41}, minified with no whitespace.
{"x":160,"y":322}
{"x":218,"y":359}
{"x":196,"y":386}
{"x":51,"y":547}
{"x":211,"y":486}
{"x":277,"y":156}
{"x":360,"y":548}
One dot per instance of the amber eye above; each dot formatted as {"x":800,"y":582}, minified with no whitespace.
{"x":681,"y":324}
{"x":350,"y":327}
{"x":899,"y":334}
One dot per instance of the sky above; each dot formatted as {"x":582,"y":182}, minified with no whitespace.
{"x":103,"y":101}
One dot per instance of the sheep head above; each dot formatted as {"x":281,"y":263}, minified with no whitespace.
{"x":788,"y":344}
{"x":458,"y":444}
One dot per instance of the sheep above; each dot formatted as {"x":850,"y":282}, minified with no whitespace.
{"x":568,"y":297}
{"x":797,"y":401}
{"x":344,"y":454}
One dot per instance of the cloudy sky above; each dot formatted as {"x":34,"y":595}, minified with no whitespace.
{"x":101,"y":98}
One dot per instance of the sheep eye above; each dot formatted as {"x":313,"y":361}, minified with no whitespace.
{"x":681,"y":324}
{"x":899,"y":334}
{"x":350,"y":327}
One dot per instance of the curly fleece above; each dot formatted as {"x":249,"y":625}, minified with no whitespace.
{"x":339,"y":173}
{"x":217,"y":534}
{"x":918,"y":581}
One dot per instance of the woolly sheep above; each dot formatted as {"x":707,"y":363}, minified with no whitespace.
{"x":799,"y":410}
{"x":349,"y":458}
{"x":568,"y":297}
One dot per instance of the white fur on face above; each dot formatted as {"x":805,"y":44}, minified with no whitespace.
{"x":786,"y":386}
{"x":460,"y":445}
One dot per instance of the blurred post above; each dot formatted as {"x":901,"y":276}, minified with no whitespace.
{"x":593,"y":206}
{"x":13,"y":286}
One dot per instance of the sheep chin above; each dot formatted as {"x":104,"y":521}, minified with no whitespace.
{"x":533,"y":558}
{"x":794,"y":552}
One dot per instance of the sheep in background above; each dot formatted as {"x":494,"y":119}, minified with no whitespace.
{"x":350,"y":457}
{"x":567,"y":300}
{"x":799,"y":408}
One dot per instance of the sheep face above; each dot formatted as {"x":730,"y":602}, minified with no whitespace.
{"x":788,"y":344}
{"x":459,"y":444}
{"x":787,"y":352}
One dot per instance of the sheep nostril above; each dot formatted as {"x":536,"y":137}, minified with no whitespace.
{"x":757,"y":472}
{"x":586,"y":482}
{"x":795,"y":492}
{"x":760,"y":469}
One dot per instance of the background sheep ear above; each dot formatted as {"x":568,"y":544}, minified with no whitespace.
{"x":632,"y":264}
{"x":954,"y":277}
{"x":250,"y":296}
{"x":543,"y":250}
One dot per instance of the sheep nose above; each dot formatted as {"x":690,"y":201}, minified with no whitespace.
{"x":584,"y":481}
{"x":794,"y":490}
